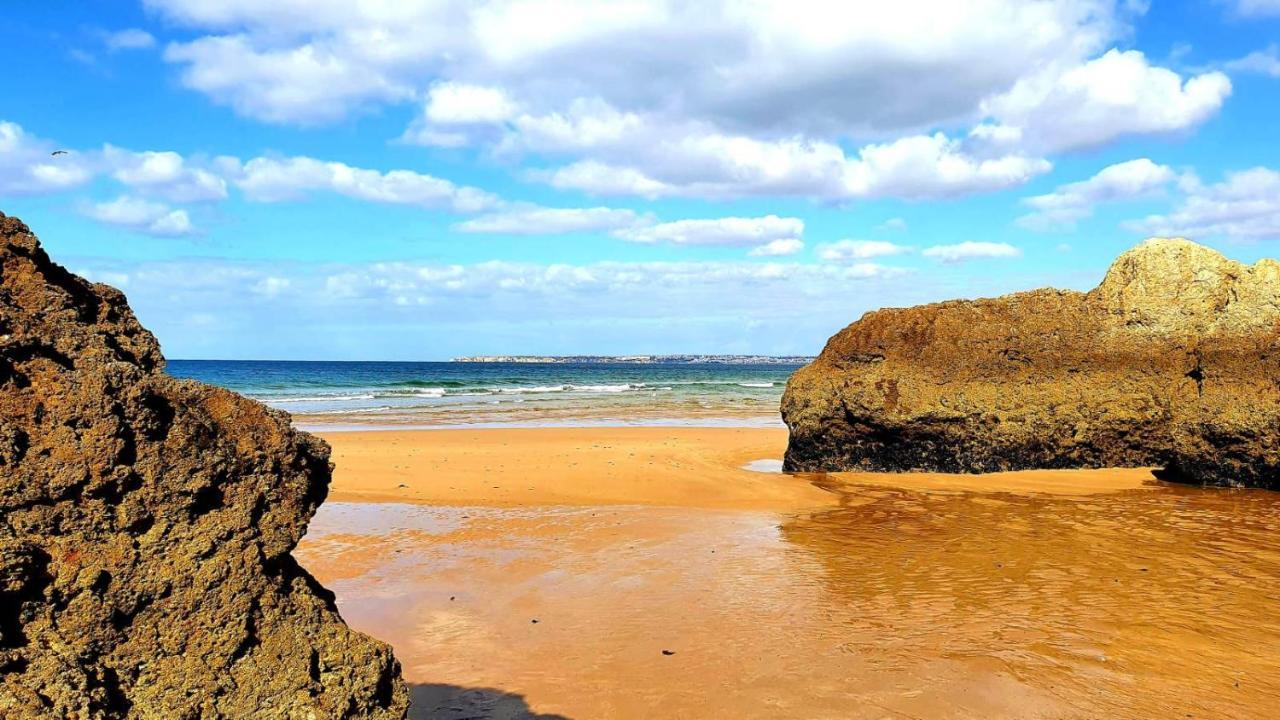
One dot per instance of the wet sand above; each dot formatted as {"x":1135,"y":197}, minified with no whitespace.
{"x":676,"y":466}
{"x":690,"y":467}
{"x":855,"y":596}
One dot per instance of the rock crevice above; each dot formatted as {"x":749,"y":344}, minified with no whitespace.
{"x":145,"y":529}
{"x":1172,"y":361}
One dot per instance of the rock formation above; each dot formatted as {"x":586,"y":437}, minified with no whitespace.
{"x":145,"y":529}
{"x":1173,"y":361}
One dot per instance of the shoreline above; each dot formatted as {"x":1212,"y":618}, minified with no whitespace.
{"x":342,"y":424}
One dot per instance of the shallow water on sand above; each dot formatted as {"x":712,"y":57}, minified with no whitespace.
{"x":1153,"y":603}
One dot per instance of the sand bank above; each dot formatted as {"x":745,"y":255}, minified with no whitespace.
{"x":680,"y":467}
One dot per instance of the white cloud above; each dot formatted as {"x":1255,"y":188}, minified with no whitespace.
{"x":1098,"y":101}
{"x":1245,"y":205}
{"x":418,"y":284}
{"x":456,"y":103}
{"x":894,"y":224}
{"x":305,"y":84}
{"x":772,"y":66}
{"x":599,"y":178}
{"x":766,"y":98}
{"x":965,"y":251}
{"x":1263,"y":62}
{"x":726,"y":231}
{"x":166,"y":174}
{"x":848,"y":250}
{"x":1062,"y":208}
{"x":1256,"y":8}
{"x":535,"y":220}
{"x":129,"y":39}
{"x":723,"y":166}
{"x":778,"y":248}
{"x":27,"y":166}
{"x":151,"y":218}
{"x":276,"y":179}
{"x":769,"y":236}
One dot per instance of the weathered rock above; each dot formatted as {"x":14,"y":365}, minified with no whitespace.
{"x":145,"y":529}
{"x":1173,"y":361}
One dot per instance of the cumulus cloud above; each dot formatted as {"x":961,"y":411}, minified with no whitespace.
{"x":27,"y":168}
{"x":726,"y":231}
{"x":766,"y":98}
{"x":307,"y":84}
{"x":1245,"y":206}
{"x":1117,"y":94}
{"x":723,"y":166}
{"x":1062,"y":208}
{"x":770,"y":66}
{"x":850,"y":250}
{"x":536,"y":220}
{"x":277,"y":179}
{"x":965,"y":251}
{"x":166,"y":174}
{"x":150,"y":218}
{"x":457,"y":103}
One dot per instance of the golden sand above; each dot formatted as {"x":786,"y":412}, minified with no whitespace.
{"x":1020,"y":595}
{"x":693,"y":467}
{"x":684,"y":467}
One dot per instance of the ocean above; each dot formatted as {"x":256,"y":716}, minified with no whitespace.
{"x":351,"y":395}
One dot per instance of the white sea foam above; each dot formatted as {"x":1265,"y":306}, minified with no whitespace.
{"x":418,"y":392}
{"x":569,"y":388}
{"x":316,"y":398}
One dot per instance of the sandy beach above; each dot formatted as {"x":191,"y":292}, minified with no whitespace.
{"x":642,"y":572}
{"x":679,"y":467}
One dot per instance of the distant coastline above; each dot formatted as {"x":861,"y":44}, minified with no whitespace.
{"x":642,"y":359}
{"x":597,"y":390}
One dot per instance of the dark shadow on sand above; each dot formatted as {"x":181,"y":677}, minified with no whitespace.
{"x":450,"y":702}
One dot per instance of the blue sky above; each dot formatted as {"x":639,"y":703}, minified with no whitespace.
{"x":418,"y":180}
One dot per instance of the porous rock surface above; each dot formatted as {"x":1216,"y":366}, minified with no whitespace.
{"x":145,"y":529}
{"x":1173,"y":361}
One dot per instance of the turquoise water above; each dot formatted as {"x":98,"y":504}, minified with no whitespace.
{"x":431,"y":394}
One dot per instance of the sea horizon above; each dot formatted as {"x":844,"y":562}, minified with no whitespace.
{"x":369,"y":394}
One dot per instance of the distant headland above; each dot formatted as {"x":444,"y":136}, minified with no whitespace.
{"x":643,"y":359}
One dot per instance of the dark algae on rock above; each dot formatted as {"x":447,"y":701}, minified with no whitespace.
{"x":1173,"y":362}
{"x":146,"y":525}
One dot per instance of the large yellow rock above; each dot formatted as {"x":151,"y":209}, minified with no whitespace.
{"x":145,"y":529}
{"x":1173,"y":361}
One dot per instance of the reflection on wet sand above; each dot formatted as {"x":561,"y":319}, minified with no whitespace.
{"x":1161,"y":602}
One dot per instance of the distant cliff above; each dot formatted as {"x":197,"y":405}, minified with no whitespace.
{"x":1173,"y":361}
{"x":641,"y":359}
{"x":145,"y":529}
